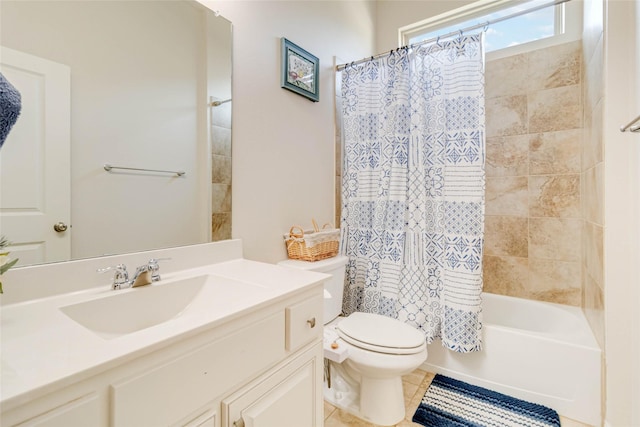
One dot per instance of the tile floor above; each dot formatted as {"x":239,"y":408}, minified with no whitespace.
{"x":415,"y":384}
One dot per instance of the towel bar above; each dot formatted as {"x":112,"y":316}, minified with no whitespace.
{"x":108,"y":168}
{"x":629,"y":126}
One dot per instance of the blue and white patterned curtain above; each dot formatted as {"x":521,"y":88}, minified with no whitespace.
{"x":413,"y":188}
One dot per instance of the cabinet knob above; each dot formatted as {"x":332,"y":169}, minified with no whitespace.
{"x":312,"y":322}
{"x":238,"y":423}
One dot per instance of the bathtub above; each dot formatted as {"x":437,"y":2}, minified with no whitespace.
{"x":540,"y":352}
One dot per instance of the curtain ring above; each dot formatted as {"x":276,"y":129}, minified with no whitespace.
{"x":486,"y":27}
{"x":461,"y":33}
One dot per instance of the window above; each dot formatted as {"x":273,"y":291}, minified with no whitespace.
{"x":533,"y":30}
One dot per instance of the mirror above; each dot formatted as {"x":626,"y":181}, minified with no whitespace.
{"x":134,"y":84}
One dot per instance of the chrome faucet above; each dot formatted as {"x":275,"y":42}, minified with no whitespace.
{"x":144,"y":274}
{"x":120,"y":276}
{"x":141,"y":277}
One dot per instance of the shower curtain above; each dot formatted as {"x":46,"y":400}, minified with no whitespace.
{"x":413,"y":188}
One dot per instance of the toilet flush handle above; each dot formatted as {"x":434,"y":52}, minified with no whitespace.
{"x":312,"y":322}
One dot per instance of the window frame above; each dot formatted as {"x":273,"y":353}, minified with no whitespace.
{"x":568,"y":25}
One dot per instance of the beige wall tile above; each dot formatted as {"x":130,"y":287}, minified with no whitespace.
{"x":506,"y":195}
{"x":592,"y":145}
{"x":593,"y":254}
{"x":555,"y":152}
{"x":555,"y":238}
{"x":507,"y":156}
{"x":555,"y":109}
{"x":504,"y":77}
{"x":506,"y":275}
{"x":506,"y":115}
{"x":220,"y":198}
{"x":555,"y":66}
{"x":221,"y":138}
{"x":221,"y":169}
{"x":555,"y":281}
{"x":554,"y":196}
{"x":505,"y":235}
{"x":594,"y":194}
{"x":594,"y":77}
{"x":220,"y":226}
{"x":594,"y":308}
{"x":551,"y":124}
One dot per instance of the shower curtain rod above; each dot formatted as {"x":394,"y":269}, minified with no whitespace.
{"x":463,"y":30}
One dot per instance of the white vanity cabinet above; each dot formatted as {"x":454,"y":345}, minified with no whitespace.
{"x":261,"y":367}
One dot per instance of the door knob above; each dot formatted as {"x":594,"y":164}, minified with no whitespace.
{"x":60,"y":227}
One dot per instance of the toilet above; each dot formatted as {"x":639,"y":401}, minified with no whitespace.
{"x":366,"y":354}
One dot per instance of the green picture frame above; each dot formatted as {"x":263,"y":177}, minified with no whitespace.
{"x":300,"y":71}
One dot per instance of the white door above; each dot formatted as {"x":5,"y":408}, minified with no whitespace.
{"x":35,"y":160}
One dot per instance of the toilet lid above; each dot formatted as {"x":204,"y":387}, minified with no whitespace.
{"x":380,"y":333}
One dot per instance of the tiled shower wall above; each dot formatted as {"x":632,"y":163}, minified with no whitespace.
{"x":221,"y":172}
{"x":593,"y":169}
{"x":533,"y":218}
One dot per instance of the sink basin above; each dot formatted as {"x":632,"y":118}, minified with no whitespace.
{"x":132,"y":310}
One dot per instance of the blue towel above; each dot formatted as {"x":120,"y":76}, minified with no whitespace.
{"x":9,"y":107}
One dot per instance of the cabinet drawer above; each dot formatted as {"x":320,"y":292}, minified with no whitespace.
{"x":163,"y":395}
{"x":304,"y":322}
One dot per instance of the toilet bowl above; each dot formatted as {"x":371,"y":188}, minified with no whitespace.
{"x":373,"y":352}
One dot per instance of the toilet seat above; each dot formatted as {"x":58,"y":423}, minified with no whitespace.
{"x":380,"y":334}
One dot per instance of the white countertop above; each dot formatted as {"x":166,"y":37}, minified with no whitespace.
{"x":42,"y":348}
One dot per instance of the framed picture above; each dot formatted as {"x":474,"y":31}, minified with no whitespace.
{"x":300,"y":71}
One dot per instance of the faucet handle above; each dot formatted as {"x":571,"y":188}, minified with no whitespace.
{"x":120,"y":276}
{"x":154,"y":268}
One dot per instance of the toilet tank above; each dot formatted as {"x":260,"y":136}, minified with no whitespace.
{"x":334,"y":286}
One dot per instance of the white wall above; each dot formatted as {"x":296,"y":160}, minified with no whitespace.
{"x":622,"y":199}
{"x":394,"y":14}
{"x":120,"y":55}
{"x":283,"y":144}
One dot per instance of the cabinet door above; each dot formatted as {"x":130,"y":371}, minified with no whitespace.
{"x":288,"y":397}
{"x":289,"y":403}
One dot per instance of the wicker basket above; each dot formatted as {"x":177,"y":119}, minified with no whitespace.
{"x":312,"y":245}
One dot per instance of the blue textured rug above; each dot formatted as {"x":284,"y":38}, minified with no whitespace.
{"x":449,"y":402}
